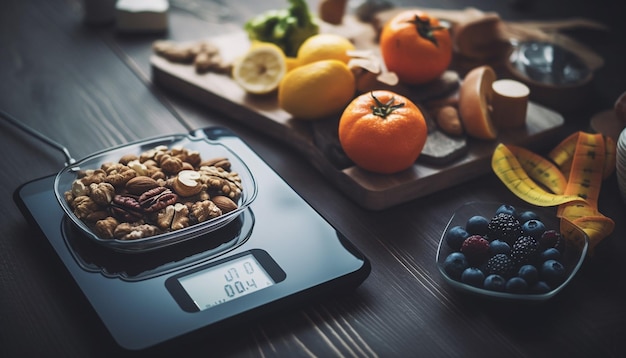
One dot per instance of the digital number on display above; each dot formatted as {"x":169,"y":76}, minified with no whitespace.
{"x":227,"y":281}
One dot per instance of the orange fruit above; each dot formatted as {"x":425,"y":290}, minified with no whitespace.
{"x":316,"y":90}
{"x":474,"y":103}
{"x":324,"y":47}
{"x":416,"y":47}
{"x":382,"y":131}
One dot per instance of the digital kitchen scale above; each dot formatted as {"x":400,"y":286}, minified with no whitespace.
{"x":278,"y":252}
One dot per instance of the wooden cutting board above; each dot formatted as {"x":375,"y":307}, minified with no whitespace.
{"x":372,"y":191}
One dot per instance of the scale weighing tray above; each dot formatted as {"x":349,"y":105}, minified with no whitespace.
{"x":278,"y":252}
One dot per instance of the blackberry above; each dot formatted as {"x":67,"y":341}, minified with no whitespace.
{"x":524,"y":250}
{"x":499,"y":264}
{"x":504,"y":227}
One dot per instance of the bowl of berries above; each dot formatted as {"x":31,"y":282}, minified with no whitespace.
{"x":509,"y":252}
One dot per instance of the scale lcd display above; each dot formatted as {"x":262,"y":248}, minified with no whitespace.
{"x":226,"y":281}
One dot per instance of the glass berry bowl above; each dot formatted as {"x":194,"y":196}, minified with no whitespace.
{"x":509,"y":253}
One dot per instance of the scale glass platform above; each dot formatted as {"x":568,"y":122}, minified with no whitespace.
{"x":277,"y":253}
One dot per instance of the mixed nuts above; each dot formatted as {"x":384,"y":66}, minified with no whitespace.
{"x":161,"y":190}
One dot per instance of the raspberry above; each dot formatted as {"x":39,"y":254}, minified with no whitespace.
{"x":551,"y":239}
{"x":504,"y":227}
{"x":499,"y":264}
{"x":476,"y":249}
{"x":524,"y":250}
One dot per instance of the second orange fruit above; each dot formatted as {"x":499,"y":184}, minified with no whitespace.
{"x":382,"y":132}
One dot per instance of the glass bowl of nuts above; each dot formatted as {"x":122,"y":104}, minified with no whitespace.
{"x":509,"y":253}
{"x":156,"y":192}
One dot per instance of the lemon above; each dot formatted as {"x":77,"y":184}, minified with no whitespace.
{"x":317,"y":89}
{"x":324,"y":47}
{"x":292,"y":62}
{"x":260,"y":69}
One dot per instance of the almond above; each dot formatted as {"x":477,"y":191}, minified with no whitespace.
{"x":224,"y":203}
{"x":140,"y":184}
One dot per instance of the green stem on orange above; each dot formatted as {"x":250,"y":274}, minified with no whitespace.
{"x":384,"y":109}
{"x":425,"y":30}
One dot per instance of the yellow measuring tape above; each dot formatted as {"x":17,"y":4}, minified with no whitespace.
{"x":572,"y":178}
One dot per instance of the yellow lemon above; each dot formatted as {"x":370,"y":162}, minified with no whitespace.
{"x":316,"y":90}
{"x":292,"y":62}
{"x":324,"y":47}
{"x":261,"y":69}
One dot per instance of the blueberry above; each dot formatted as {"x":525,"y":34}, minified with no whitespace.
{"x":528,"y":215}
{"x":552,"y":271}
{"x":509,"y":209}
{"x":499,"y":247}
{"x":529,"y":273}
{"x":550,"y":254}
{"x":540,"y":287}
{"x":516,"y":285}
{"x":473,"y":276}
{"x":477,"y":225}
{"x":455,"y":237}
{"x":455,"y":264}
{"x":495,"y":282}
{"x":534,"y":228}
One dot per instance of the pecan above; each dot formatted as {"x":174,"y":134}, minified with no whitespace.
{"x":126,"y":208}
{"x":156,"y":199}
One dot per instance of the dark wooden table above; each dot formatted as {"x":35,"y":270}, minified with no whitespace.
{"x":90,"y":88}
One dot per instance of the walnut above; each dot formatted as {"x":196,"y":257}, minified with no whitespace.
{"x":222,"y":181}
{"x":94,"y":176}
{"x":165,"y":217}
{"x":79,"y":188}
{"x":205,"y":210}
{"x":69,"y":198}
{"x":128,"y":231}
{"x":152,"y":153}
{"x":171,"y":164}
{"x":181,"y":217}
{"x":193,"y":158}
{"x":102,"y":193}
{"x":118,"y":174}
{"x":106,"y":227}
{"x":83,"y":206}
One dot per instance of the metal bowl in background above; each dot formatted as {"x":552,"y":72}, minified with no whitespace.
{"x":556,"y":76}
